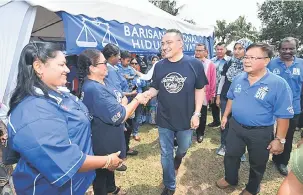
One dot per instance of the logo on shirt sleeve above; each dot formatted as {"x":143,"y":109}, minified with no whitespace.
{"x":276,"y":71}
{"x":173,"y":82}
{"x":238,"y":88}
{"x":290,"y":109}
{"x":118,"y":96}
{"x":116,"y":117}
{"x":261,"y":93}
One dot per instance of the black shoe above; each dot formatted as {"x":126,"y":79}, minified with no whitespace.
{"x":122,"y":168}
{"x":132,"y":152}
{"x":200,"y":139}
{"x":282,"y":169}
{"x":214,"y":124}
{"x":167,"y":192}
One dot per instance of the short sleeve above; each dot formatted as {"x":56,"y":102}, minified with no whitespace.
{"x":201,"y":79}
{"x":230,"y":94}
{"x":155,"y":80}
{"x":107,"y":108}
{"x":45,"y":145}
{"x":283,"y":107}
{"x":225,"y":68}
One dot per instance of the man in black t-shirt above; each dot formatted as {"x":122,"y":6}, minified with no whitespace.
{"x":178,"y":81}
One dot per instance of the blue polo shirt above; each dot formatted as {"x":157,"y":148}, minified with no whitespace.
{"x":219,"y":66}
{"x":293,"y":76}
{"x":53,"y":137}
{"x":116,"y":79}
{"x":104,"y":104}
{"x":261,"y":103}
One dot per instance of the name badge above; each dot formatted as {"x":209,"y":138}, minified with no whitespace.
{"x":296,"y":71}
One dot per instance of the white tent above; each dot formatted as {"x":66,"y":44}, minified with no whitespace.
{"x":22,"y":20}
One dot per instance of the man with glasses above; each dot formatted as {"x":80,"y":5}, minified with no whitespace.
{"x":289,"y":67}
{"x":265,"y":97}
{"x":178,"y":82}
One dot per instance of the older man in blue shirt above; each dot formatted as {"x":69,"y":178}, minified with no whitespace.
{"x":290,"y":68}
{"x":265,"y":97}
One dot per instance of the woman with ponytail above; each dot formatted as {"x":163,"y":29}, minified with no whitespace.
{"x":50,"y":129}
{"x":109,"y":110}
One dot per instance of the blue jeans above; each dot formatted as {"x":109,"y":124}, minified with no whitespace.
{"x":137,"y":120}
{"x":168,"y":161}
{"x":223,"y":103}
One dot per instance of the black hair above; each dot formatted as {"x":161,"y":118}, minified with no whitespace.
{"x":27,"y":78}
{"x":203,"y":45}
{"x":289,"y":39}
{"x":266,"y":49}
{"x":134,"y":59}
{"x":175,"y":31}
{"x":87,"y":58}
{"x":221,"y":44}
{"x":110,"y":50}
{"x":153,"y":57}
{"x":125,"y":54}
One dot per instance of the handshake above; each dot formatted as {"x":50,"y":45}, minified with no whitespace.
{"x":143,"y":98}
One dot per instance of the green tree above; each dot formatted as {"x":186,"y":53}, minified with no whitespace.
{"x":170,"y":6}
{"x":240,"y":28}
{"x":281,"y":19}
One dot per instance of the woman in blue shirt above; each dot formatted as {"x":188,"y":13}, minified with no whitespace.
{"x":109,"y":109}
{"x":50,"y":129}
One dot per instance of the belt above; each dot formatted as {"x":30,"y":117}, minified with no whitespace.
{"x":253,"y":127}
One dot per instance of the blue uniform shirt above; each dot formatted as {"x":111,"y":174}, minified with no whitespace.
{"x":53,"y":136}
{"x":293,"y":76}
{"x":116,"y":79}
{"x":261,"y":103}
{"x":219,"y":67}
{"x":104,"y":104}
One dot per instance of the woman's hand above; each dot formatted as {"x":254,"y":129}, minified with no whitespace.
{"x":115,"y":161}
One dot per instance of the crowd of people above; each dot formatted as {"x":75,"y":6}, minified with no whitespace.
{"x":63,"y":142}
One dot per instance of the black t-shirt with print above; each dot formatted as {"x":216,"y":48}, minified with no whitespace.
{"x":176,"y":82}
{"x":227,"y":83}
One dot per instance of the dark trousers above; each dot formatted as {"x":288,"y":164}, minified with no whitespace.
{"x":129,"y":126}
{"x":284,"y":157}
{"x":256,"y":141}
{"x":104,"y":182}
{"x":215,"y":111}
{"x":300,"y":122}
{"x":201,"y":129}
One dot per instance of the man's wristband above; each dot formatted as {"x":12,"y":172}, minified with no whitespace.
{"x":198,"y":114}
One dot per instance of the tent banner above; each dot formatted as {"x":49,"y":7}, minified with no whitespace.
{"x":82,"y":32}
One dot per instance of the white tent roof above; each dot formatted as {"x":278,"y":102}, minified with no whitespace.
{"x":132,"y":11}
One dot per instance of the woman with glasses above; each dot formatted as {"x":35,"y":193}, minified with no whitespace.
{"x":50,"y":129}
{"x":109,"y":110}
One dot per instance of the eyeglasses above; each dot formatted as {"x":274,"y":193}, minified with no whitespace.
{"x":101,"y":63}
{"x":134,"y":63}
{"x":253,"y":58}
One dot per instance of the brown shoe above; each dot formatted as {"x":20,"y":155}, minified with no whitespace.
{"x":222,"y":183}
{"x":245,"y":192}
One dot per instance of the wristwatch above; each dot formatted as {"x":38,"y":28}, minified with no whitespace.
{"x":198,"y":114}
{"x":281,"y":140}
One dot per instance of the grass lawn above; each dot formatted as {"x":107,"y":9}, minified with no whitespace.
{"x":199,"y":170}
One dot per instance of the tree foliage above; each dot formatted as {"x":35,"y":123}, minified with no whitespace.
{"x":281,"y":19}
{"x":240,"y":28}
{"x":170,"y":6}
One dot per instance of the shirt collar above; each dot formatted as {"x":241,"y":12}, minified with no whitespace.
{"x":282,"y":63}
{"x":226,"y":58}
{"x":263,"y":80}
{"x":114,"y":67}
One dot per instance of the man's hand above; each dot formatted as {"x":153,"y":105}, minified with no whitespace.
{"x":134,"y":92}
{"x":194,"y":122}
{"x":223,"y":122}
{"x":218,"y":101}
{"x":275,"y":147}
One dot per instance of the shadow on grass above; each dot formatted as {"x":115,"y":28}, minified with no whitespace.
{"x":146,"y":150}
{"x":203,"y":168}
